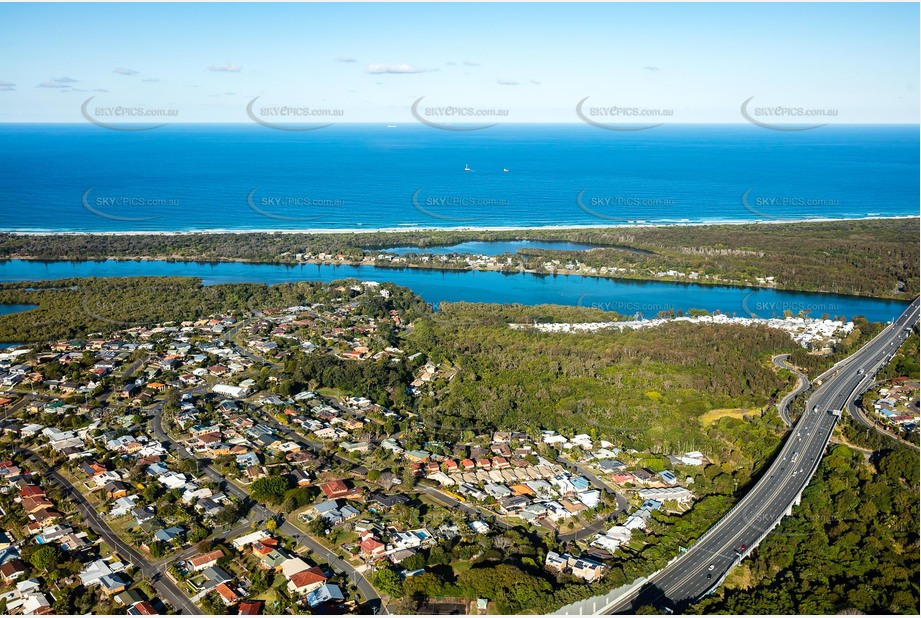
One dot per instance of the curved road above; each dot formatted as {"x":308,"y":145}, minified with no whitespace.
{"x":802,"y":385}
{"x":167,"y":589}
{"x":701,"y":569}
{"x":859,"y":415}
{"x":262,"y":513}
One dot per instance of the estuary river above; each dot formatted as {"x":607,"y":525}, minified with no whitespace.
{"x":623,"y":296}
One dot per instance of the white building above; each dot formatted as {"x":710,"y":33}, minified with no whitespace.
{"x":234,"y":392}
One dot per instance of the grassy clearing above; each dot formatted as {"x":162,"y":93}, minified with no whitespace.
{"x":708,"y":418}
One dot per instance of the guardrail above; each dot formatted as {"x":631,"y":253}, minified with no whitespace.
{"x":799,"y":495}
{"x":591,"y":604}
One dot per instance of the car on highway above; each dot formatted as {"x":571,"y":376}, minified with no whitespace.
{"x":712,"y":566}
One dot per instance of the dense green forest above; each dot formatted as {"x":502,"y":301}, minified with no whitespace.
{"x":877,"y":257}
{"x":852,"y":546}
{"x":69,"y":308}
{"x":643,"y":388}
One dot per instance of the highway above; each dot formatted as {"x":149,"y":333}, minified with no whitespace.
{"x":702,"y":568}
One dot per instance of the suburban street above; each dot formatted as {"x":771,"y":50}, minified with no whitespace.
{"x":165,"y":587}
{"x":702,"y":568}
{"x":260,"y":513}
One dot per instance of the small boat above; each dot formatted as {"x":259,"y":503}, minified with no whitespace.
{"x":391,"y":126}
{"x":466,"y":168}
{"x":505,"y":169}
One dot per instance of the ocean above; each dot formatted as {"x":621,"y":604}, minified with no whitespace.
{"x":181,"y":178}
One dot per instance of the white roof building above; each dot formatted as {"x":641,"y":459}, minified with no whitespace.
{"x":248,"y":539}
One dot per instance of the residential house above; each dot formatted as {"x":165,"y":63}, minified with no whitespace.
{"x":370,"y":546}
{"x":228,"y":595}
{"x":94,"y":571}
{"x":215,"y":576}
{"x":305,"y":582}
{"x":340,"y":489}
{"x":248,"y":539}
{"x":114,"y":583}
{"x":116,"y":489}
{"x":129,"y":597}
{"x":168,"y":535}
{"x":583,"y":568}
{"x":383,"y":501}
{"x":142,"y":608}
{"x":250,"y":608}
{"x":203,"y":561}
{"x":12,"y":570}
{"x":327,"y":593}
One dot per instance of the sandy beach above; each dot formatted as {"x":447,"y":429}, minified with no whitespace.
{"x":473,"y":229}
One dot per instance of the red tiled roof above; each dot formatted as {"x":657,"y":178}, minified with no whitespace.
{"x":206,"y":558}
{"x":312,"y":575}
{"x":250,"y":608}
{"x":265,"y":546}
{"x":370,"y":545}
{"x":334,"y":488}
{"x":225,"y":591}
{"x":31,"y":491}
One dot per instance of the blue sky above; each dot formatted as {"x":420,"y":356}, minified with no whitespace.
{"x":372,"y":61}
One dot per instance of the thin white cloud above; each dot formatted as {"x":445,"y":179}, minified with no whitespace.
{"x":124,"y":71}
{"x":345,"y":59}
{"x":395,"y":69}
{"x":151,"y":79}
{"x":651,"y":68}
{"x":58,"y":82}
{"x":226,"y":68}
{"x":468,"y":63}
{"x":7,"y":86}
{"x":514,"y":82}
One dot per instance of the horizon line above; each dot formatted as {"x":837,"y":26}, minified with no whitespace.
{"x":461,"y":124}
